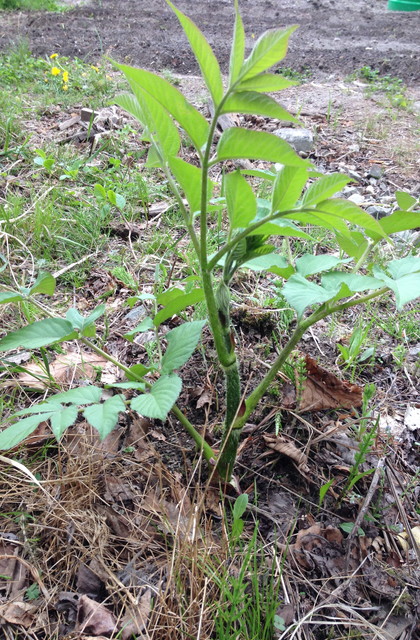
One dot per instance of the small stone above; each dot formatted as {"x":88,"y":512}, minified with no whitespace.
{"x":378,"y":212}
{"x":302,"y":140}
{"x":355,"y":175}
{"x":375,"y":172}
{"x":136,"y":315}
{"x":370,"y":189}
{"x":388,"y":199}
{"x":354,"y":148}
{"x":348,"y":191}
{"x":357,"y":198}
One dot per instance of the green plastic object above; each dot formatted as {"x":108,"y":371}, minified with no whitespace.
{"x":404,"y":5}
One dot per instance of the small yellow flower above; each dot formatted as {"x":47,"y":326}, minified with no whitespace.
{"x":65,"y":77}
{"x":94,"y":68}
{"x":65,"y":87}
{"x":55,"y":71}
{"x":54,"y":55}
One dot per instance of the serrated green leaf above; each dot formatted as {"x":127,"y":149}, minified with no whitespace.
{"x":404,"y":200}
{"x":141,"y":386}
{"x":137,"y":371}
{"x":266,"y":83}
{"x":258,"y":104}
{"x":41,"y":407}
{"x":238,"y":47}
{"x":287,"y":188}
{"x":45,"y":283}
{"x":403,"y":266}
{"x":145,"y":325}
{"x":324,"y":188}
{"x":10,"y":296}
{"x":301,"y":293}
{"x":269,"y":49}
{"x":406,"y":287}
{"x":354,"y":244}
{"x":266,"y":262}
{"x":240,"y":200}
{"x":347,"y":210}
{"x":20,"y":430}
{"x":182,"y":342}
{"x":320,"y":219}
{"x":104,"y":417}
{"x":191,"y":120}
{"x":400,"y":221}
{"x":240,"y":506}
{"x":354,"y":281}
{"x":178,"y":304}
{"x":38,"y":334}
{"x":61,"y":420}
{"x":79,"y":395}
{"x":257,"y":145}
{"x":204,"y":54}
{"x":189,"y":177}
{"x":309,"y":264}
{"x":80,"y":322}
{"x":161,"y":398}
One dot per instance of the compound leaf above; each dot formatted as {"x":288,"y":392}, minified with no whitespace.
{"x":182,"y":342}
{"x":258,"y":104}
{"x":240,"y":200}
{"x":238,"y":47}
{"x":39,"y":334}
{"x":161,"y":398}
{"x":258,"y":145}
{"x":104,"y":416}
{"x":269,"y":49}
{"x":20,"y":430}
{"x":324,"y":188}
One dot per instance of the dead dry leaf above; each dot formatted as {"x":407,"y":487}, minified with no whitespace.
{"x":94,"y":618}
{"x":20,"y":613}
{"x":13,"y":574}
{"x":135,"y":620}
{"x":287,"y":448}
{"x":323,"y":390}
{"x":67,"y":369}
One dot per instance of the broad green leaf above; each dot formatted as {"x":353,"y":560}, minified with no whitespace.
{"x":80,"y":322}
{"x":324,"y":220}
{"x":266,"y":83}
{"x":282,"y":227}
{"x":260,"y":173}
{"x":288,"y":187}
{"x":266,"y":262}
{"x":405,"y":200}
{"x":104,"y":417}
{"x":189,"y":177}
{"x":99,"y":191}
{"x":45,"y":283}
{"x":79,"y":395}
{"x":172,"y":99}
{"x":116,"y":199}
{"x":406,"y":288}
{"x":20,"y":430}
{"x":354,"y":244}
{"x":170,"y":294}
{"x":41,"y":407}
{"x":153,"y":160}
{"x":63,"y":419}
{"x":269,"y":49}
{"x":182,"y":342}
{"x":354,"y":281}
{"x":203,"y":52}
{"x":10,"y":296}
{"x":179,"y":304}
{"x":145,"y":325}
{"x":240,"y":200}
{"x":161,"y":398}
{"x":127,"y":385}
{"x":400,"y":221}
{"x":258,"y":104}
{"x":404,"y":266}
{"x":257,"y":145}
{"x":238,"y":47}
{"x":154,"y":117}
{"x":137,"y":371}
{"x":240,"y":506}
{"x":39,"y":334}
{"x":309,"y":264}
{"x":301,"y":293}
{"x":347,"y":210}
{"x":324,"y":188}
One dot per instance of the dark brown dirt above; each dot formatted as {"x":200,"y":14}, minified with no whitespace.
{"x":334,"y":38}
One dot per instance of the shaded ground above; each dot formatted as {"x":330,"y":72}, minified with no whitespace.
{"x":333,"y":37}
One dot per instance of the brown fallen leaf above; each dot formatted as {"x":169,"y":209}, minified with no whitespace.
{"x":21,"y":613}
{"x":94,"y":618}
{"x":135,"y":620}
{"x":68,"y":369}
{"x":323,"y":390}
{"x":287,"y":448}
{"x":13,"y":574}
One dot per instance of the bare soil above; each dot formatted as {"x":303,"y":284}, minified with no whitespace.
{"x":334,"y":38}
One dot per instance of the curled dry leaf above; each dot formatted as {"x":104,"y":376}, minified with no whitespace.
{"x":135,"y":620}
{"x":323,"y":390}
{"x":287,"y":448}
{"x":94,"y":618}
